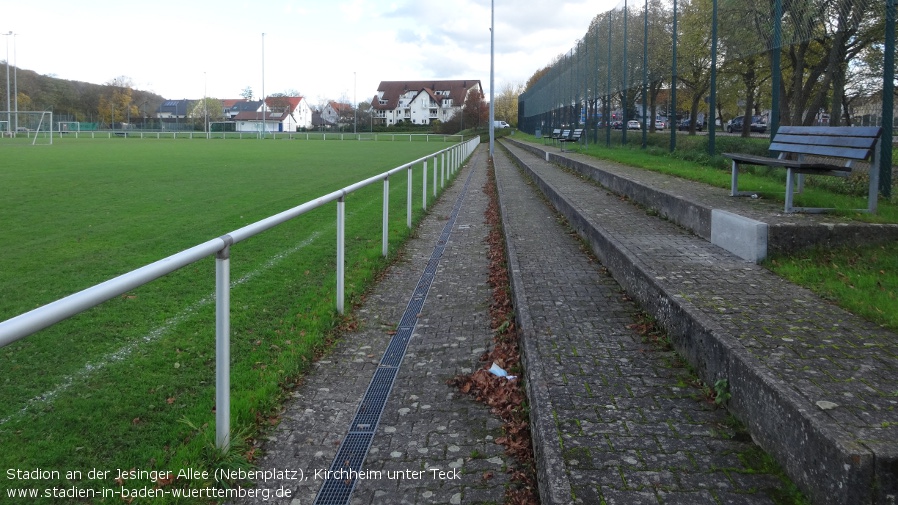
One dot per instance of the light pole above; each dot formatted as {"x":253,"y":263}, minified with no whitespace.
{"x":15,"y":82}
{"x":205,"y":109}
{"x":492,"y":75}
{"x":8,"y":107}
{"x":355,"y":106}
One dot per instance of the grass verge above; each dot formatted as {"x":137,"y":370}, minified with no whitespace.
{"x":861,"y":279}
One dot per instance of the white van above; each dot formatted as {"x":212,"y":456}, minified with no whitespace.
{"x":501,"y":124}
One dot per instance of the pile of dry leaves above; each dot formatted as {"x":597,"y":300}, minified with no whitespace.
{"x":505,"y":397}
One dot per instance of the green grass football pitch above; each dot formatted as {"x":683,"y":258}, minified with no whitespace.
{"x":130,"y":383}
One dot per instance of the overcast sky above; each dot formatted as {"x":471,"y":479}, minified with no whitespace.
{"x":325,"y":49}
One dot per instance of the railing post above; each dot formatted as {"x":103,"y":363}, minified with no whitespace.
{"x":408,"y":199}
{"x":435,"y":178}
{"x":386,"y":226}
{"x":424,"y":178}
{"x":341,"y":232}
{"x":223,"y":347}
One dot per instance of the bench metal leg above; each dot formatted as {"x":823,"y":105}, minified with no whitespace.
{"x":734,"y":182}
{"x":789,"y":190}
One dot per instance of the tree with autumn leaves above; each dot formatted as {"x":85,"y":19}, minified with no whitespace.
{"x":116,"y":104}
{"x":831,"y":54}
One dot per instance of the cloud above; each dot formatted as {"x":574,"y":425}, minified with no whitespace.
{"x":322,"y":48}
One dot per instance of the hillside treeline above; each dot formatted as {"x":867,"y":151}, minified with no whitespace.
{"x":76,"y":100}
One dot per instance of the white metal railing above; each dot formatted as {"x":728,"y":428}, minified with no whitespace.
{"x":446,"y":160}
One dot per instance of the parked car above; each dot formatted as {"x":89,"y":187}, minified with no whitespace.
{"x":659,"y":125}
{"x":617,"y":125}
{"x":633,"y":125}
{"x":683,"y":125}
{"x":757,"y":125}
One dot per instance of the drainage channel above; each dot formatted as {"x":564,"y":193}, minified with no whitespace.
{"x":342,"y":476}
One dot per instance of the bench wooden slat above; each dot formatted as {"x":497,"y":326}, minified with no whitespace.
{"x":853,"y":142}
{"x":833,"y":131}
{"x":818,"y":150}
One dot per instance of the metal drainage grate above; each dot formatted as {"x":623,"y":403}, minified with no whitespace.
{"x":343,"y":473}
{"x":368,"y":413}
{"x":341,"y":479}
{"x":396,"y":350}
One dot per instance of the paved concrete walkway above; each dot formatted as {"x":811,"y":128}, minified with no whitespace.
{"x":614,"y":418}
{"x":426,"y":424}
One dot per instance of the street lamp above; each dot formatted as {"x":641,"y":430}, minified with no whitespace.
{"x":8,"y":116}
{"x":15,"y":81}
{"x":492,"y":129}
{"x":205,"y":109}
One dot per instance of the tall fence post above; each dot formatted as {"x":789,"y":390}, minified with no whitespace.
{"x":624,"y":84}
{"x":888,"y":100}
{"x":673,"y":79}
{"x":435,"y":177}
{"x":223,"y":347}
{"x":776,"y":68}
{"x":386,"y":225}
{"x":712,"y":125}
{"x":341,"y":232}
{"x":608,"y":90}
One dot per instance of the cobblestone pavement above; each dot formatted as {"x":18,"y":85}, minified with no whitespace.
{"x":817,"y":384}
{"x":426,"y":424}
{"x":615,"y":419}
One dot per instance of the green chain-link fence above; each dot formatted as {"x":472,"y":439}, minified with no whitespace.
{"x":698,"y":64}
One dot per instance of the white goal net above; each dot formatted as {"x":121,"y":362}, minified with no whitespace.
{"x":27,"y":127}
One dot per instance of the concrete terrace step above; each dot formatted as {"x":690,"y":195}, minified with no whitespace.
{"x":710,"y":212}
{"x":815,"y":384}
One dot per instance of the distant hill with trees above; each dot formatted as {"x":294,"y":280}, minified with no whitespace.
{"x":79,"y":101}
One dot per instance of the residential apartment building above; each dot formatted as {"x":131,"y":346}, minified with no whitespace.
{"x":421,"y":102}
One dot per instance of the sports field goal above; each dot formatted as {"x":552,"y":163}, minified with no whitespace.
{"x":35,"y":127}
{"x":63,"y":127}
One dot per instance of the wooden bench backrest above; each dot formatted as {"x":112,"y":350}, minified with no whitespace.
{"x":849,"y":142}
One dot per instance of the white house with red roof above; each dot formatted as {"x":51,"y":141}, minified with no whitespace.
{"x":279,"y":114}
{"x":421,"y":102}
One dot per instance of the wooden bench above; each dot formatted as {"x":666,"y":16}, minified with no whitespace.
{"x":571,"y":137}
{"x":824,"y":145}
